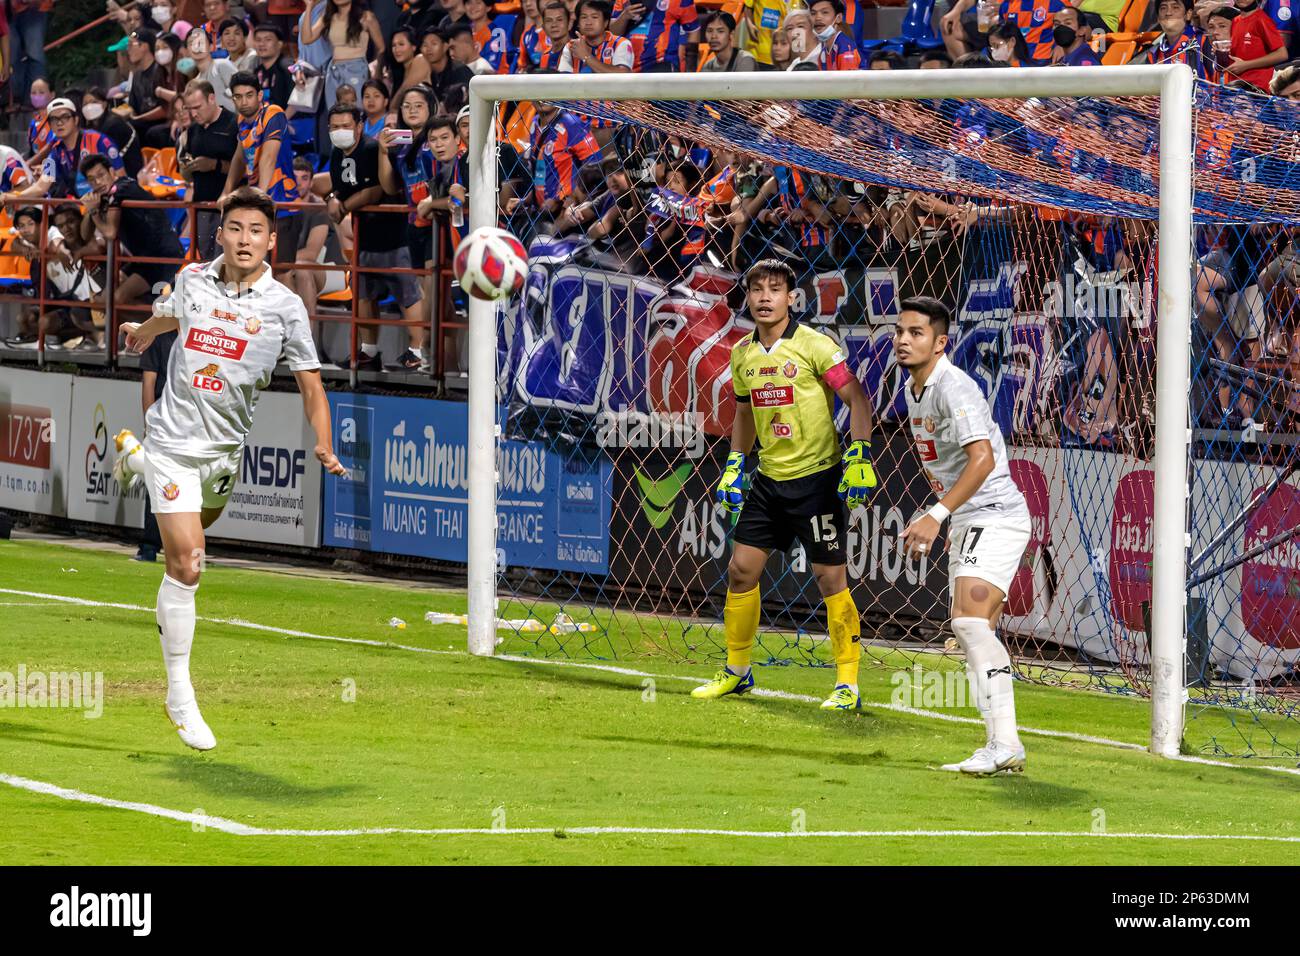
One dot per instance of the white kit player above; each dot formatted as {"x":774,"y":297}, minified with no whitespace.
{"x":233,"y":320}
{"x":965,"y":461}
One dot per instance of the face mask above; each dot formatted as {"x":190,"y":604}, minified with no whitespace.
{"x":92,"y":111}
{"x":1001,"y":53}
{"x":825,"y":33}
{"x":343,"y":138}
{"x":39,"y":100}
{"x":163,"y":56}
{"x":1064,"y":36}
{"x":161,"y":15}
{"x":187,"y":66}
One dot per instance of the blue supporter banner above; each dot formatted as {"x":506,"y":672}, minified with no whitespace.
{"x":408,"y":488}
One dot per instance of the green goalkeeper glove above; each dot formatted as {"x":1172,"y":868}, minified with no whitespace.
{"x":731,"y":489}
{"x":859,"y":477}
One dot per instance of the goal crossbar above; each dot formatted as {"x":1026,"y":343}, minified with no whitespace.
{"x":1172,"y":83}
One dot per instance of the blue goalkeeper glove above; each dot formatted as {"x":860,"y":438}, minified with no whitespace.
{"x":859,"y":477}
{"x":732,"y":487}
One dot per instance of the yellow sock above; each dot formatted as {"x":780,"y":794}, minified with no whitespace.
{"x":846,"y":630}
{"x":740,"y":624}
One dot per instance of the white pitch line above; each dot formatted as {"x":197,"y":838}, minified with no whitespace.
{"x":235,"y":828}
{"x":631,"y":672}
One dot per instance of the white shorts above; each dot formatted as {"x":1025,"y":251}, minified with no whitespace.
{"x":179,"y":484}
{"x":987,"y":548}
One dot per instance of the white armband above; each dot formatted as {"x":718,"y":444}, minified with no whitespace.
{"x":938,"y":512}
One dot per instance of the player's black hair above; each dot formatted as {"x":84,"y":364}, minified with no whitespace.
{"x":895,"y":60}
{"x":92,"y":160}
{"x":244,"y":78}
{"x":836,"y":5}
{"x":938,"y":56}
{"x":249,"y":197}
{"x":229,"y":22}
{"x":603,"y":7}
{"x":28,"y":212}
{"x":270,"y":28}
{"x":444,"y":122}
{"x":725,"y":18}
{"x":771,"y":268}
{"x":938,"y":313}
{"x":342,"y":109}
{"x":460,"y":29}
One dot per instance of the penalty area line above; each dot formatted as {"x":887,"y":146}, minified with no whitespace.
{"x":203,"y":821}
{"x":632,"y":672}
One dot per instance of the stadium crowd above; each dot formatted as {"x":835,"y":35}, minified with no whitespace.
{"x":337,"y":106}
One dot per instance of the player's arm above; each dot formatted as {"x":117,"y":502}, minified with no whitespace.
{"x":266,"y":162}
{"x":859,"y":478}
{"x":920,"y":534}
{"x":237,"y":174}
{"x":140,"y":335}
{"x":317,"y":408}
{"x":731,"y":489}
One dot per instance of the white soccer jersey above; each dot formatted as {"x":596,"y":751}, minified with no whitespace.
{"x":951,"y":414}
{"x":227,"y":346}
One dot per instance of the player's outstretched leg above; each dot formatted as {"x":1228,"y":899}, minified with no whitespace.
{"x":989,"y":668}
{"x":739,"y":623}
{"x":845,"y":628}
{"x":128,"y":466}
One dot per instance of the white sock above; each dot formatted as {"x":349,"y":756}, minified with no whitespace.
{"x":739,"y":671}
{"x":989,"y":668}
{"x":369,"y":350}
{"x":134,"y":460}
{"x":176,"y":632}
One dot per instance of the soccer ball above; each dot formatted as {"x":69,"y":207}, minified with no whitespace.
{"x":491,"y":264}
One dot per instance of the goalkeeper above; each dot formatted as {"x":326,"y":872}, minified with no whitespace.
{"x":786,"y":377}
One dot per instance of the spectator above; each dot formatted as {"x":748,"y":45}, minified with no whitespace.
{"x":554,"y":39}
{"x":1179,"y":41}
{"x":315,"y":53}
{"x":74,"y":144}
{"x":348,"y":25}
{"x":658,"y":33}
{"x":595,"y":49}
{"x":147,"y":111}
{"x":454,"y":15}
{"x":1070,"y":35}
{"x":1007,"y":45}
{"x":463,"y":49}
{"x":803,"y":41}
{"x":490,"y":41}
{"x":1257,"y":46}
{"x":935,"y":60}
{"x":723,"y":55}
{"x":380,"y":242}
{"x":62,"y":278}
{"x":166,"y":53}
{"x":216,"y":12}
{"x":1034,"y":19}
{"x":234,"y":40}
{"x":374,"y":103}
{"x":218,"y":73}
{"x":782,"y":55}
{"x":527,"y":32}
{"x":1286,"y":82}
{"x":204,"y":157}
{"x":271,"y":69}
{"x":403,"y":65}
{"x":145,"y":232}
{"x":1218,"y":28}
{"x":15,"y":176}
{"x":347,"y":96}
{"x":837,"y":50}
{"x":98,"y":117}
{"x":448,"y":188}
{"x":447,"y":79}
{"x":319,"y":243}
{"x":39,"y":135}
{"x":163,"y":14}
{"x":886,"y":60}
{"x":559,"y":143}
{"x":265,"y":160}
{"x":761,"y":21}
{"x":26,"y":52}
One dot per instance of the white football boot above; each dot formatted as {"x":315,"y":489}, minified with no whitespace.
{"x":992,"y":758}
{"x":189,"y":723}
{"x":129,"y":464}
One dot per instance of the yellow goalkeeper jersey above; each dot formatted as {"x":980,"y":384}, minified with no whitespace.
{"x":790,"y":389}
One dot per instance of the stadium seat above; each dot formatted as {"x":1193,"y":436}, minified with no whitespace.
{"x":1118,"y":48}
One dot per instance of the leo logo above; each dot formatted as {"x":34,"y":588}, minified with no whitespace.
{"x":170,"y":491}
{"x":781,"y":429}
{"x":790,"y":370}
{"x":207,"y":380}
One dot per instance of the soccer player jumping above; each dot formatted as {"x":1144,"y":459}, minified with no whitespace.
{"x":234,"y":320}
{"x":786,"y":377}
{"x":963,"y":458}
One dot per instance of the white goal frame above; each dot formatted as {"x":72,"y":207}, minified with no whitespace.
{"x":1173,"y":83}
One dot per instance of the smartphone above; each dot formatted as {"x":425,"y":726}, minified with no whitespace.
{"x":400,"y":137}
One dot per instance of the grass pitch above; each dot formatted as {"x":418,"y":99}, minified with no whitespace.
{"x":319,"y":739}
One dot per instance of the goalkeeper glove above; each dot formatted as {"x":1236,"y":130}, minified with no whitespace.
{"x":859,"y":477}
{"x":731,"y":489}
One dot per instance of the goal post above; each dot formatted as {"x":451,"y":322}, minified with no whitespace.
{"x":1173,"y":84}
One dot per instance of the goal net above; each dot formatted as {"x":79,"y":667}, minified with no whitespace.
{"x":1033,"y":206}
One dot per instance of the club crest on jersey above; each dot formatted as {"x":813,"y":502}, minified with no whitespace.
{"x":772,"y":396}
{"x":252,"y":325}
{"x":930,"y":424}
{"x":170,"y":491}
{"x":215,"y":342}
{"x":790,"y":370}
{"x":206,"y":379}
